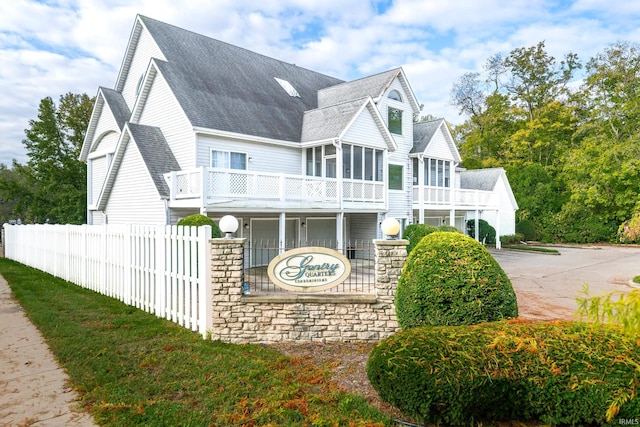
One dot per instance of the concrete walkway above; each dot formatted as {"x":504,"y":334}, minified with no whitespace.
{"x":33,"y":388}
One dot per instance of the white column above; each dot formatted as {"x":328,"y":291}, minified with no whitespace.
{"x":282,"y":231}
{"x":339,"y":231}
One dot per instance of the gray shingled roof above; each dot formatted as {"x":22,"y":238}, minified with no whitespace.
{"x":423,"y":132}
{"x":329,"y":122}
{"x":480,"y":179}
{"x":372,"y":86}
{"x":156,"y":154}
{"x":225,"y":87}
{"x":117,"y":105}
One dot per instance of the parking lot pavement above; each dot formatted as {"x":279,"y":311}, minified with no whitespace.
{"x":547,"y":285}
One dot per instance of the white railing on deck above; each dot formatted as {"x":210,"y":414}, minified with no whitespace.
{"x":462,"y":198}
{"x":229,"y":183}
{"x":163,"y":270}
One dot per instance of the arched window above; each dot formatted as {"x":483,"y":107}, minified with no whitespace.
{"x":395,"y":95}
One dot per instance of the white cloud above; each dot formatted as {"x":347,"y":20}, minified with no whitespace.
{"x":51,"y":48}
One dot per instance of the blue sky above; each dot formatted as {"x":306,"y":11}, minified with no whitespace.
{"x":51,"y":47}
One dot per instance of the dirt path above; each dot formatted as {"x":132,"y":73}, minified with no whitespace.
{"x":33,"y":388}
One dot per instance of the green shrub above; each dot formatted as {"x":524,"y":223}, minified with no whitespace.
{"x":198,"y":220}
{"x":527,"y":228}
{"x":449,"y":228}
{"x":556,"y":372}
{"x":451,"y":279}
{"x":486,"y":234}
{"x":415,"y":232}
{"x":511,"y":239}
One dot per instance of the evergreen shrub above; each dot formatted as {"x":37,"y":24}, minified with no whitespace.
{"x":527,"y":228}
{"x":450,"y":228}
{"x":415,"y":232}
{"x":511,"y":239}
{"x":486,"y":234}
{"x":198,"y":220}
{"x":451,"y":279}
{"x":569,"y":373}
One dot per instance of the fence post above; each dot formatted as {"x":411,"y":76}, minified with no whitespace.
{"x":227,"y":271}
{"x":204,"y":281}
{"x":390,"y":256}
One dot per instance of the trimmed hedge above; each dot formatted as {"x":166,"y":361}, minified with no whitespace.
{"x":556,"y":372}
{"x":451,"y":279}
{"x":415,"y":232}
{"x":198,"y":220}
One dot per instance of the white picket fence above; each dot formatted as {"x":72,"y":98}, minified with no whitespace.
{"x":163,"y":270}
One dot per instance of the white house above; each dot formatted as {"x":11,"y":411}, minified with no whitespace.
{"x":196,"y":125}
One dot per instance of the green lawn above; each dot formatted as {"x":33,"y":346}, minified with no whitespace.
{"x":131,"y":368}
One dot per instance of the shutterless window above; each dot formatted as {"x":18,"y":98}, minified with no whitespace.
{"x":357,"y":162}
{"x":395,"y":177}
{"x":228,"y":160}
{"x":346,"y":161}
{"x":379,"y":166}
{"x":368,"y":164}
{"x":395,"y":95}
{"x":414,"y":170}
{"x":395,"y":121}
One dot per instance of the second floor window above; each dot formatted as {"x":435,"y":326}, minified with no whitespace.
{"x":395,"y":121}
{"x":228,"y":160}
{"x":362,"y":163}
{"x":396,"y":177}
{"x":437,"y":173}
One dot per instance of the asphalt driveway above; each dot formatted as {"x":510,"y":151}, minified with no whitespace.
{"x":547,"y":285}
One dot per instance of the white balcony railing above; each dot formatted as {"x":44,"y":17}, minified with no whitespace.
{"x":207,"y":184}
{"x":457,"y":198}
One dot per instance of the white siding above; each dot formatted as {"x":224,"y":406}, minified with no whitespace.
{"x":264,"y":157}
{"x":400,"y":203}
{"x":95,"y":218}
{"x":364,"y":131}
{"x":98,"y":168}
{"x":134,"y":198}
{"x":106,"y":123}
{"x":144,"y":51}
{"x":438,"y":148}
{"x":161,"y":109}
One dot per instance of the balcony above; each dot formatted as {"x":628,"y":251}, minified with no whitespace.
{"x":229,"y":188}
{"x":427,"y":197}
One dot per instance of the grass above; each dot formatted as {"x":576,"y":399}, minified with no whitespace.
{"x":131,"y":368}
{"x":532,"y":248}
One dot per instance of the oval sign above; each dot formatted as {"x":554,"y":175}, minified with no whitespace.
{"x":310,"y":269}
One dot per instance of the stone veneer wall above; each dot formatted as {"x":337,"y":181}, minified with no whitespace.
{"x":289,"y":316}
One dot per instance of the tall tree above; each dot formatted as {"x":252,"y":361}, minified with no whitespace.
{"x":603,"y":172}
{"x":52,"y":185}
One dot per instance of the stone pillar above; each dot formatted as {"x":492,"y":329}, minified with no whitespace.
{"x":227,"y":274}
{"x":390,"y":256}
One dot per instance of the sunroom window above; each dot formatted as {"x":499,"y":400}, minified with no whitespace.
{"x":362,"y":163}
{"x":228,"y":160}
{"x":437,"y":173}
{"x":395,"y":121}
